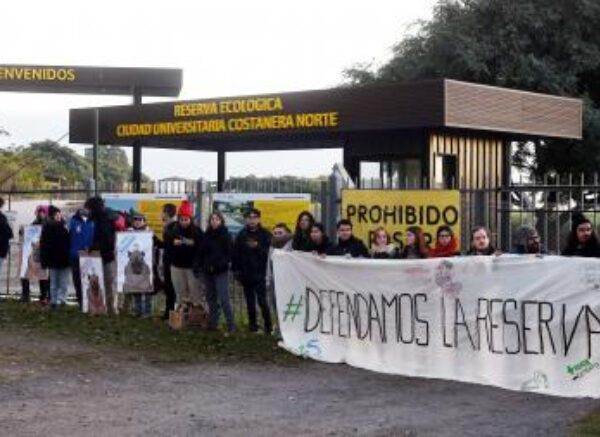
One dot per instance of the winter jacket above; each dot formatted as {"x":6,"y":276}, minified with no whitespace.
{"x":81,"y":234}
{"x":250,"y":263}
{"x":324,"y":248}
{"x":184,"y":256}
{"x":301,"y":242}
{"x":489,"y":251}
{"x":411,"y":252}
{"x":54,"y":246}
{"x":6,"y":234}
{"x":217,"y":250}
{"x":590,"y":249}
{"x":353,"y":247}
{"x":391,"y":252}
{"x":449,"y":250}
{"x":104,"y":236}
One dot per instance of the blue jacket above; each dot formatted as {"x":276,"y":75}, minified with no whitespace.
{"x":81,"y":235}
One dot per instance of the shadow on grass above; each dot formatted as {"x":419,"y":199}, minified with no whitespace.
{"x":150,"y":338}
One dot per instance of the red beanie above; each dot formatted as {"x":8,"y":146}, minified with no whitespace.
{"x":185,"y":210}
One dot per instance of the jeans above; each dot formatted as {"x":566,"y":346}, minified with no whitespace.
{"x":253,"y":292}
{"x":59,"y":285}
{"x":217,"y":296}
{"x":1,"y":262}
{"x":187,"y":286}
{"x":139,"y":304}
{"x":76,"y":274}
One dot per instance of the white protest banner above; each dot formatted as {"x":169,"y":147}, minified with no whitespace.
{"x":93,"y":299}
{"x":134,"y":262}
{"x":31,"y":264}
{"x":521,"y":323}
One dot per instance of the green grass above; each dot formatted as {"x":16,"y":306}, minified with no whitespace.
{"x":151,"y":338}
{"x":588,"y":425}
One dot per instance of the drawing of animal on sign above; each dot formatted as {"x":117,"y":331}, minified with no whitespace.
{"x":134,"y":262}
{"x":92,"y":283}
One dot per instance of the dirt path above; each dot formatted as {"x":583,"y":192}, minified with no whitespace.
{"x":58,"y":388}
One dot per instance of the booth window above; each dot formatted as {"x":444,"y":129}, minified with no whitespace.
{"x":402,"y":174}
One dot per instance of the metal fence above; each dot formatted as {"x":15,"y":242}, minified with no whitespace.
{"x":547,"y":204}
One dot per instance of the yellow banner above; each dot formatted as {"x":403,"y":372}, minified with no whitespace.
{"x":280,"y":211}
{"x":152,"y":209}
{"x":397,"y":210}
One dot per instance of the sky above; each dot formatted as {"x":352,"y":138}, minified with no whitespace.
{"x":225,"y":48}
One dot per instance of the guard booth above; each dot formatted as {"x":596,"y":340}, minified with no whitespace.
{"x":432,"y":134}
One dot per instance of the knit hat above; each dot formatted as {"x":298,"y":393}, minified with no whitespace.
{"x":185,"y":210}
{"x":41,"y":208}
{"x":136,"y":215}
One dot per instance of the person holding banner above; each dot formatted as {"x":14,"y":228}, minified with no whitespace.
{"x":348,"y":245}
{"x":6,"y":234}
{"x":41,"y":216}
{"x":582,"y":240}
{"x":216,"y":259}
{"x":185,"y":242}
{"x":319,"y":242}
{"x":445,"y":243}
{"x":381,"y":247}
{"x":415,"y":246}
{"x":529,"y":242}
{"x":250,"y":258}
{"x":301,"y":240}
{"x":54,"y":255}
{"x":480,"y":242}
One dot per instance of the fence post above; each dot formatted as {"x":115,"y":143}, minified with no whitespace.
{"x":331,"y":207}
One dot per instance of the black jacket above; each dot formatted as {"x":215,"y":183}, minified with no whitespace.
{"x":353,"y":247}
{"x":6,"y":234}
{"x":489,"y":251}
{"x":217,"y":250}
{"x":183,"y":256}
{"x":301,"y":242}
{"x":54,"y":246}
{"x":590,"y":249}
{"x":324,"y":248}
{"x":250,"y":263}
{"x":104,"y":236}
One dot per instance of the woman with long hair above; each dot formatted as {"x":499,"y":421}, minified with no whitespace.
{"x":217,"y":249}
{"x":445,"y":243}
{"x":381,"y":248}
{"x":301,"y":239}
{"x":415,"y":246}
{"x":582,"y":239}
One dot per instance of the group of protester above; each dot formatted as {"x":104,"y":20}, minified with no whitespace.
{"x":194,"y":260}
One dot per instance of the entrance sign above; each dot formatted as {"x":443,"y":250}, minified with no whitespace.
{"x":90,"y":80}
{"x":396,"y":210}
{"x":521,"y":323}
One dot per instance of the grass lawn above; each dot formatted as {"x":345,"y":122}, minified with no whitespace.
{"x":588,"y":425}
{"x":149,"y":338}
